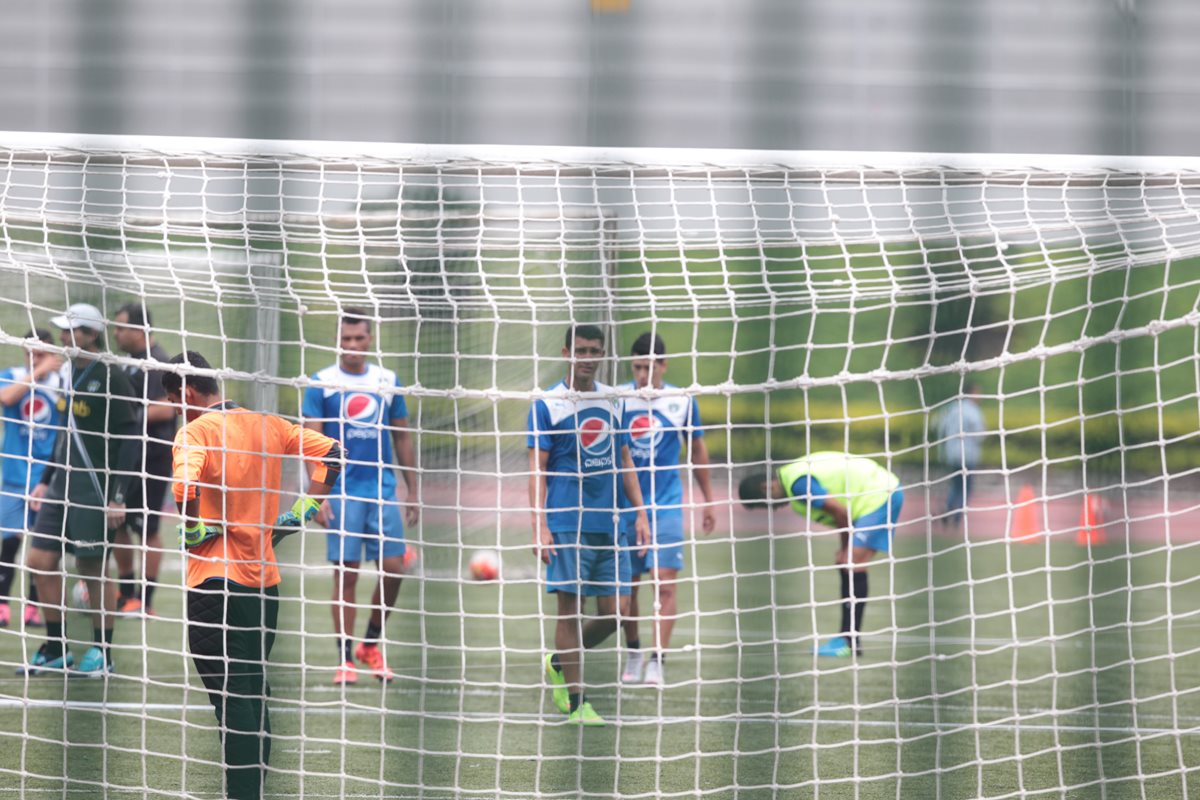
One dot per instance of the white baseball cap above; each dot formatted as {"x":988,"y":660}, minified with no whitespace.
{"x":80,"y":315}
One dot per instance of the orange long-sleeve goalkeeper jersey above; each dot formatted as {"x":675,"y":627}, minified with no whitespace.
{"x":232,"y":459}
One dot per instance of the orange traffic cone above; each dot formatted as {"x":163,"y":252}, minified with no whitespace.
{"x":1026,"y":521}
{"x":1091,"y":530}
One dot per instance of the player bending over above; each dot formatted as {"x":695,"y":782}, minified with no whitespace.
{"x":228,"y":465}
{"x":857,"y":496}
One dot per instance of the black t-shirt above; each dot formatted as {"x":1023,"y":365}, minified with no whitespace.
{"x":148,"y":386}
{"x":103,"y":419}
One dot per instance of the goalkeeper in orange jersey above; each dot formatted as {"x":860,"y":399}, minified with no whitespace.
{"x":228,"y":465}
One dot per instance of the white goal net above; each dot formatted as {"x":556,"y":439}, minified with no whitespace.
{"x":1014,"y":338}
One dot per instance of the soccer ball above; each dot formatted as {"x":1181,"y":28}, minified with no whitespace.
{"x":79,"y":596}
{"x":485,"y":565}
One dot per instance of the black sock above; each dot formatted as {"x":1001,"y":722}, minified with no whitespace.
{"x":108,"y":640}
{"x":345,"y":649}
{"x":149,"y":589}
{"x":576,"y":700}
{"x":847,"y":611}
{"x":127,"y":585}
{"x":8,"y":564}
{"x":32,"y":596}
{"x":372,"y":634}
{"x":634,"y":644}
{"x":660,"y":657}
{"x":860,"y":605}
{"x":555,"y":663}
{"x":54,"y":640}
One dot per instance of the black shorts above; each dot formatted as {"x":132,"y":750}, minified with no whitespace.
{"x":145,"y":515}
{"x":68,"y":526}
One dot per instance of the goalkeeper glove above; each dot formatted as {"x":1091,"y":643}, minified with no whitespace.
{"x":302,"y":511}
{"x":198,"y":533}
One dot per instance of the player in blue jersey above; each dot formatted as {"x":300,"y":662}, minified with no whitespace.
{"x":659,"y":429}
{"x":359,"y":405}
{"x":29,"y":395}
{"x":575,"y":485}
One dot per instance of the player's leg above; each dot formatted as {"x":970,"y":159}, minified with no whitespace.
{"x":43,"y":560}
{"x":665,"y":562}
{"x":102,"y":597}
{"x":562,"y":665}
{"x":12,"y":526}
{"x":152,"y":549}
{"x":385,"y":527}
{"x":344,"y":550}
{"x":253,"y":618}
{"x":128,"y":600}
{"x":872,"y":535}
{"x":126,"y":570}
{"x":634,"y":661}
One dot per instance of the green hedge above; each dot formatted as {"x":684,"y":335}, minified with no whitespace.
{"x":1143,"y":440}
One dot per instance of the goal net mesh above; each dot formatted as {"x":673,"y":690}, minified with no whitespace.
{"x":1038,"y":642}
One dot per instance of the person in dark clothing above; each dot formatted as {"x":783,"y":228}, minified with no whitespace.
{"x":80,"y":500}
{"x":131,"y":330}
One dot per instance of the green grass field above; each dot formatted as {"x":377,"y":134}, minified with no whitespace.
{"x":1038,"y":678}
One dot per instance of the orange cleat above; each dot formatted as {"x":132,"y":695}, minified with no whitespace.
{"x":346,"y":673}
{"x":369,"y":656}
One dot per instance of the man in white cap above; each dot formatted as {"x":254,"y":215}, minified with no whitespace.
{"x":81,"y":498}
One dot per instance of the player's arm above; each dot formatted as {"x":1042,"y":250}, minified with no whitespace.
{"x":124,"y":425}
{"x":189,"y":458}
{"x":13,"y":391}
{"x":633,"y":490}
{"x":698,"y":455}
{"x":402,"y":441}
{"x":324,"y":456}
{"x":543,"y":541}
{"x":325,"y":512}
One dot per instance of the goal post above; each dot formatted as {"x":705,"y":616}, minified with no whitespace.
{"x":1027,"y":628}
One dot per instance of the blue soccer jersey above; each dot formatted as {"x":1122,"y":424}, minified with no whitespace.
{"x":358,"y":410}
{"x":583,"y":490}
{"x":30,"y":427}
{"x":657,"y":429}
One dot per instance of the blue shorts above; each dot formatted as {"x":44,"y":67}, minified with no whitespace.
{"x":359,"y":527}
{"x":666,"y":549}
{"x":588,"y":564}
{"x":15,"y":515}
{"x":875,"y":530}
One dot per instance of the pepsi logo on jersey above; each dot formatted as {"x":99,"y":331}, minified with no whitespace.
{"x":645,"y":433}
{"x":361,"y":409}
{"x":594,"y":435}
{"x":36,"y":409}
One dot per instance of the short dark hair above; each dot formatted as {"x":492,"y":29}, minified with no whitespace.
{"x":649,"y":343}
{"x":355,"y":316}
{"x":139,"y":315}
{"x":41,"y":334}
{"x":205,"y":384}
{"x":752,"y":490}
{"x":583,"y":332}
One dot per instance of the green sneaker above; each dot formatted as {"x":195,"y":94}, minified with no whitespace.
{"x":562,"y":697}
{"x":586,"y":716}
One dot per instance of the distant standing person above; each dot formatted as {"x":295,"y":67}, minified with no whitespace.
{"x":29,"y":394}
{"x":960,"y":428}
{"x":149,"y":487}
{"x":659,"y":430}
{"x":359,"y":405}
